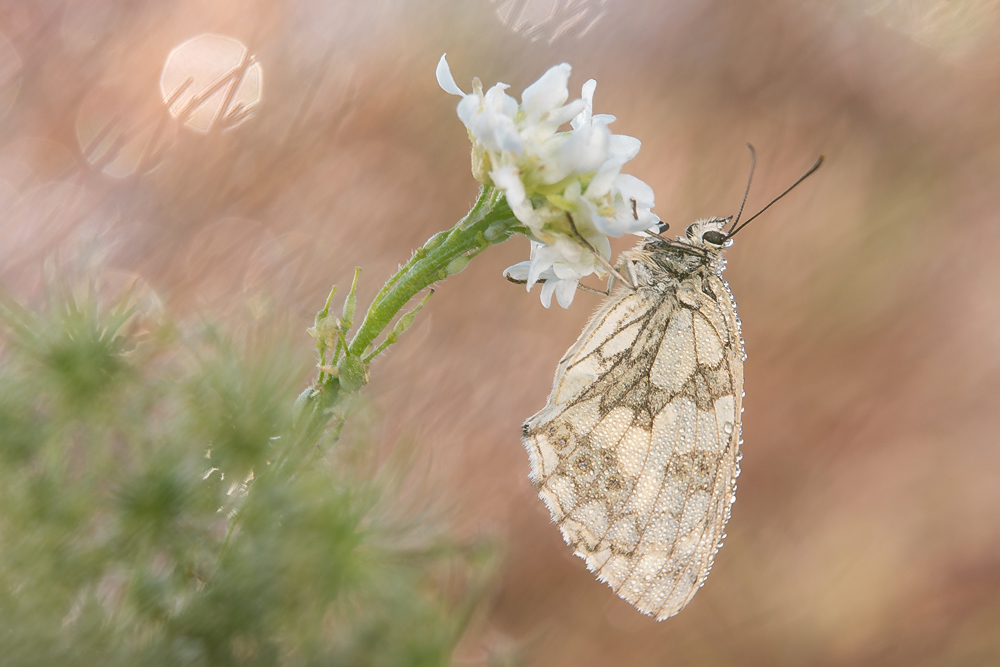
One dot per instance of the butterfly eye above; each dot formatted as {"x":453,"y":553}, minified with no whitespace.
{"x":714,"y":237}
{"x":662,"y":227}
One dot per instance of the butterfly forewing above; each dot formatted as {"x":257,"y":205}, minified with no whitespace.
{"x":635,"y":453}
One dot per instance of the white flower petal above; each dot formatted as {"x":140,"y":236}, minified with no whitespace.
{"x":604,"y":179}
{"x":547,"y":289}
{"x":548,"y":93}
{"x":518,"y":271}
{"x":603,"y":245}
{"x":496,"y":132}
{"x":573,"y":191}
{"x":585,"y":116}
{"x":564,"y":271}
{"x":607,"y":226}
{"x":633,"y":200}
{"x":508,"y":179}
{"x":565,"y":291}
{"x":468,"y":109}
{"x":510,"y":106}
{"x":626,"y":222}
{"x":585,"y":150}
{"x":445,"y":79}
{"x":633,"y":188}
{"x":624,"y":147}
{"x":563,"y":114}
{"x":545,"y":166}
{"x":496,"y":100}
{"x":567,"y":249}
{"x":542,"y":257}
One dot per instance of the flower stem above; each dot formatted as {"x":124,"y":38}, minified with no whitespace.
{"x":489,"y":222}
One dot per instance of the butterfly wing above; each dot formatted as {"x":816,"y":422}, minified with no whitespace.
{"x":635,"y":453}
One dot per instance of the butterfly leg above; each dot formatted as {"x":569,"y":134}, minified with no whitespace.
{"x":582,"y":288}
{"x":624,"y":264}
{"x":599,"y":257}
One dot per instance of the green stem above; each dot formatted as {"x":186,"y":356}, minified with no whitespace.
{"x":487,"y":198}
{"x":488,"y":223}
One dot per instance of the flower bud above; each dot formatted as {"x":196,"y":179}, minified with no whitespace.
{"x":353,"y":373}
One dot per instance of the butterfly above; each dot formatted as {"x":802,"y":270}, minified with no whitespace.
{"x":637,"y":451}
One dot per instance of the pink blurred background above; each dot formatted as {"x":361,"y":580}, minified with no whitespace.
{"x":867,"y":525}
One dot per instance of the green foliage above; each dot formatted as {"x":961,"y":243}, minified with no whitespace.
{"x":157,"y":507}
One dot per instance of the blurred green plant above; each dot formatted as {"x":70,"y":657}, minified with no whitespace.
{"x":159,"y":506}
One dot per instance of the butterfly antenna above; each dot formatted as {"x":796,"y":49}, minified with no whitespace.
{"x":790,"y":188}
{"x":753,"y":163}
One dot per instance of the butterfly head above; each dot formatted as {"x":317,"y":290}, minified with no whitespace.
{"x":710,"y":233}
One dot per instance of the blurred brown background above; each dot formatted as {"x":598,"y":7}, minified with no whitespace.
{"x":867,"y":527}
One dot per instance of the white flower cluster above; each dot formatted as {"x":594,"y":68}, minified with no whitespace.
{"x":566,"y":187}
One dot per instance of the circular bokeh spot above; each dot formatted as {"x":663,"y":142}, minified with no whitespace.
{"x":211,"y":82}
